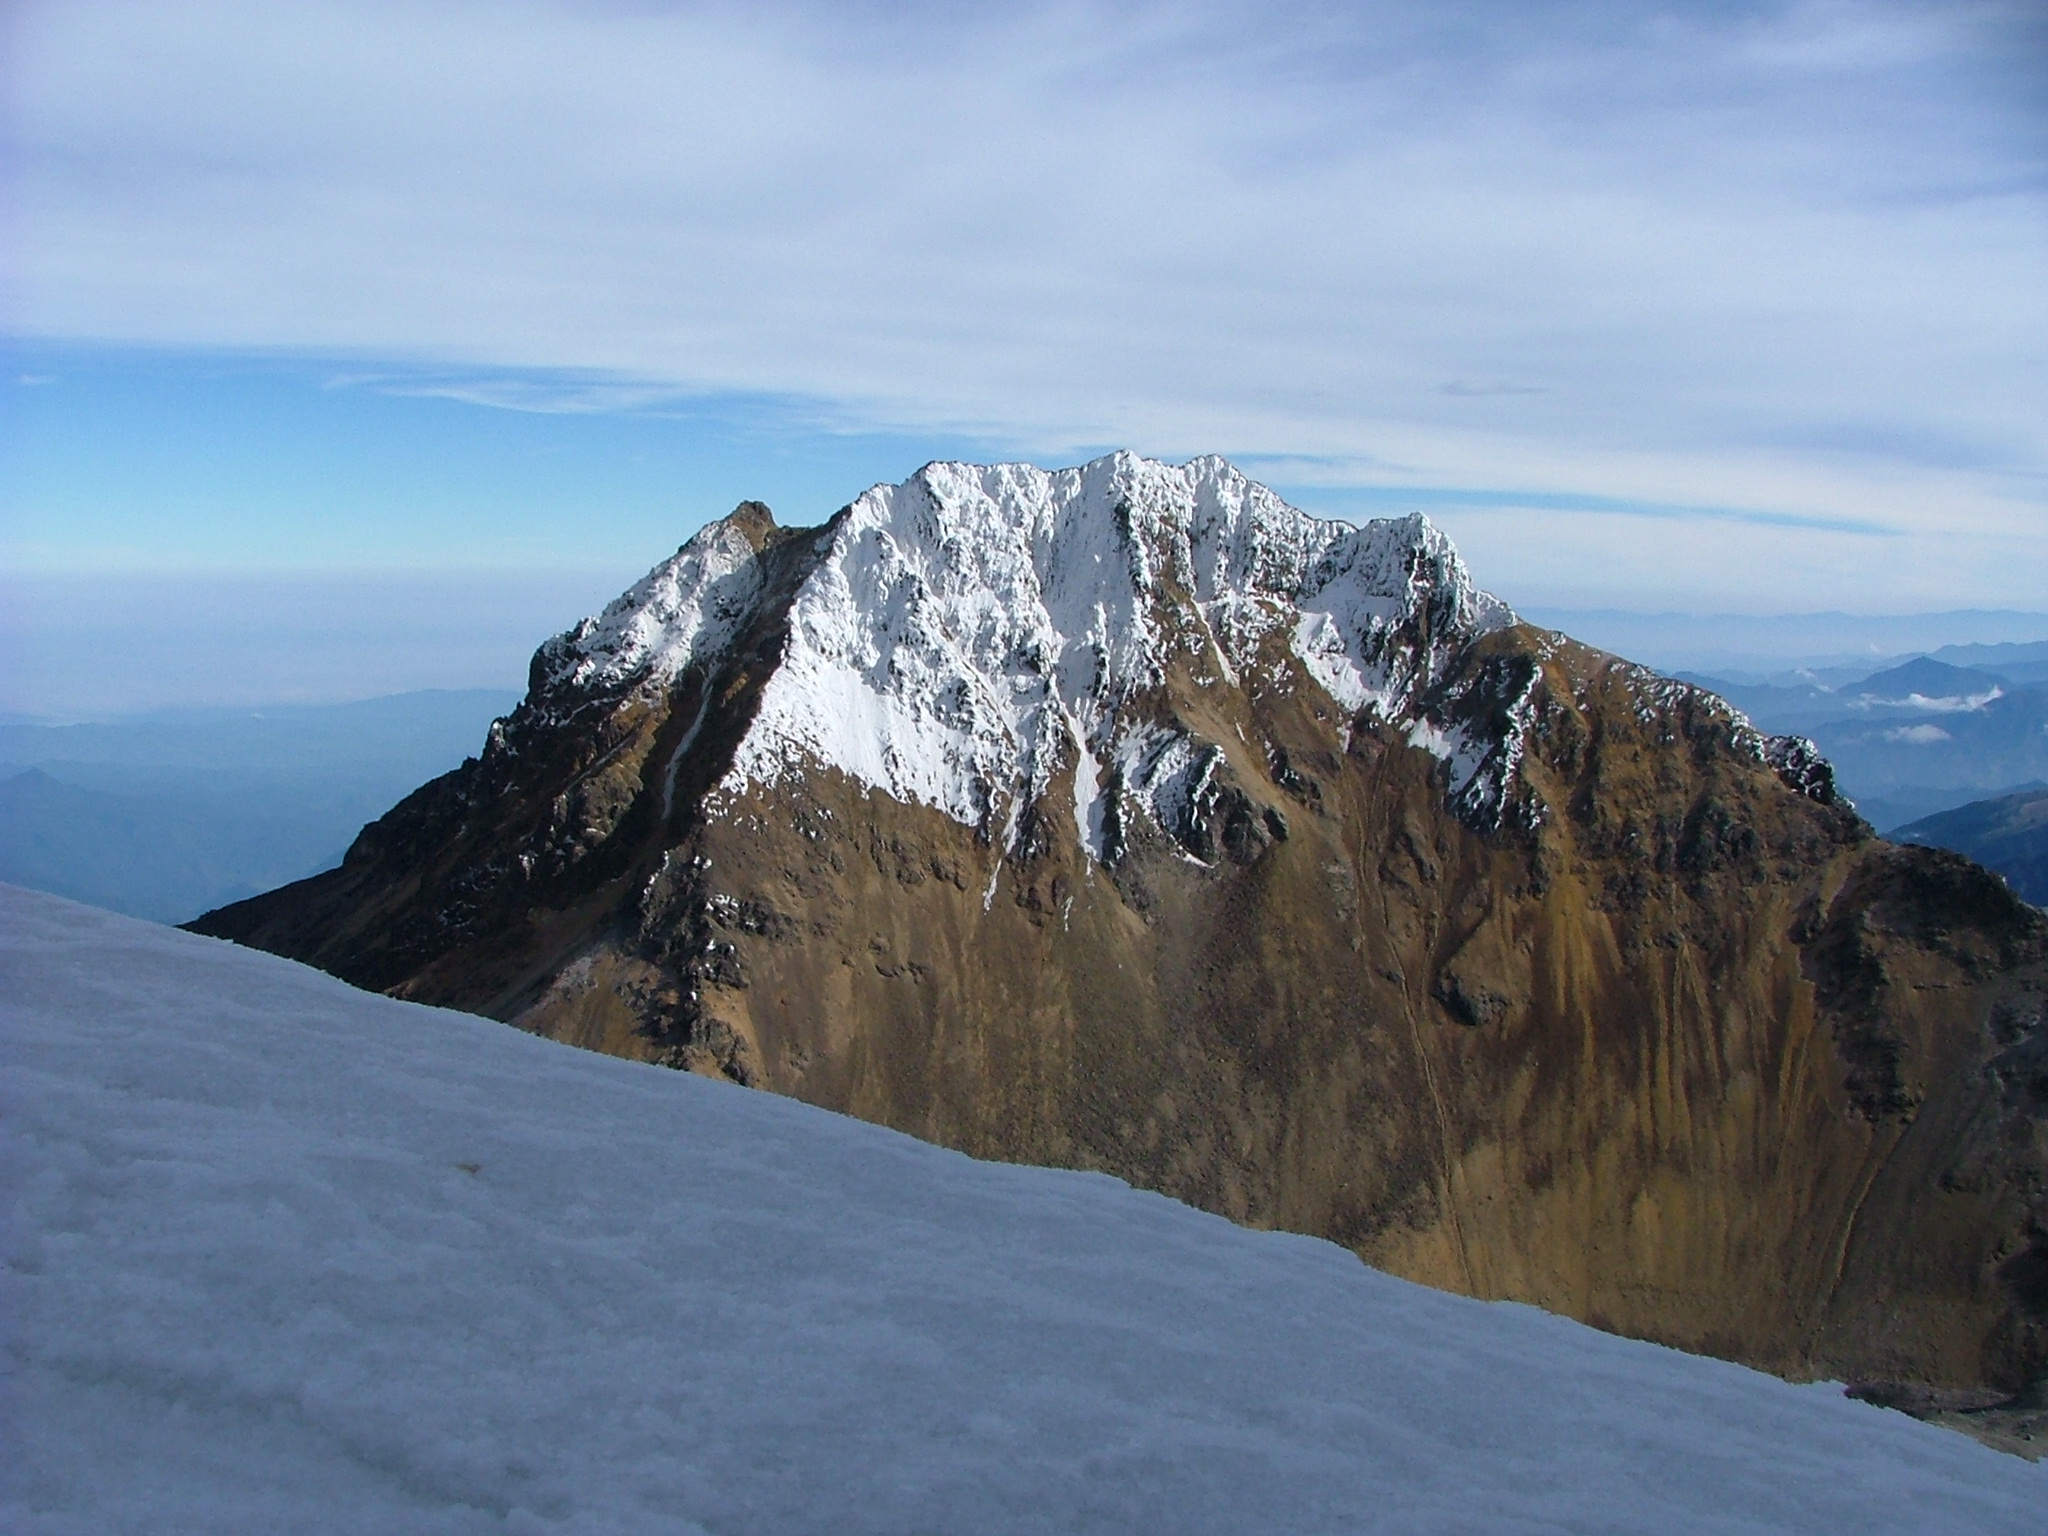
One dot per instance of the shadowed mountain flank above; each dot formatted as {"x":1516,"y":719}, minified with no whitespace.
{"x":1127,"y":818}
{"x":2008,"y":834}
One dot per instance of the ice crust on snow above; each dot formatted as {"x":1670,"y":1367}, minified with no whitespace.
{"x":286,"y":1256}
{"x":975,"y":631}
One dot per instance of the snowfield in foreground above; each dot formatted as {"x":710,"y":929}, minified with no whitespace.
{"x":286,"y":1257}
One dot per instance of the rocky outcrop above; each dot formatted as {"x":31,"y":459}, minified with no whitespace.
{"x":1126,"y":818}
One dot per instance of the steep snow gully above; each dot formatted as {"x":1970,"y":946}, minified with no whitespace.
{"x":285,"y":1256}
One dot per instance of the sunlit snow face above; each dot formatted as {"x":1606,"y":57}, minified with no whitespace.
{"x":969,"y":634}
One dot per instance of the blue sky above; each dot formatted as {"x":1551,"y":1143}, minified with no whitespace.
{"x":176,"y":459}
{"x":1698,"y":307}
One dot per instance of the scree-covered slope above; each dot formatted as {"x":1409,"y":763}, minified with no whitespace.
{"x":286,"y":1256}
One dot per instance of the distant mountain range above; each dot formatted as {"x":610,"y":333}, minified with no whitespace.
{"x":164,"y":816}
{"x":1918,"y":736}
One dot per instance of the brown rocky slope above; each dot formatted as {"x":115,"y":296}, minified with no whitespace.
{"x":1515,"y":968}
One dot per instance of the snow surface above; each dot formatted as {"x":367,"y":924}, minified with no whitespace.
{"x":973,"y":632}
{"x":283,"y":1256}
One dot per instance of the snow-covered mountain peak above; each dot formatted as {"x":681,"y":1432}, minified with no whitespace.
{"x":963,"y":638}
{"x":687,"y":607}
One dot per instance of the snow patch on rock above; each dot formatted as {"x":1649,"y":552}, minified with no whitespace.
{"x":689,"y":606}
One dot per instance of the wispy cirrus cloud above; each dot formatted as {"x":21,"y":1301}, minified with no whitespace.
{"x":1382,"y":500}
{"x":1473,"y":390}
{"x":550,"y":393}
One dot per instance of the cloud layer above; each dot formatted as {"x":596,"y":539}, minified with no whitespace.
{"x":1782,"y":260}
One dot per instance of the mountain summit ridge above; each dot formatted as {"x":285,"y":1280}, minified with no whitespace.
{"x":1124,"y":817}
{"x":960,"y":638}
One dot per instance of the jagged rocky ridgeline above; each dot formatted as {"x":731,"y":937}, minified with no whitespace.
{"x":1126,"y":817}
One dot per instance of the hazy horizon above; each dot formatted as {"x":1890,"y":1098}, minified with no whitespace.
{"x":76,"y":647}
